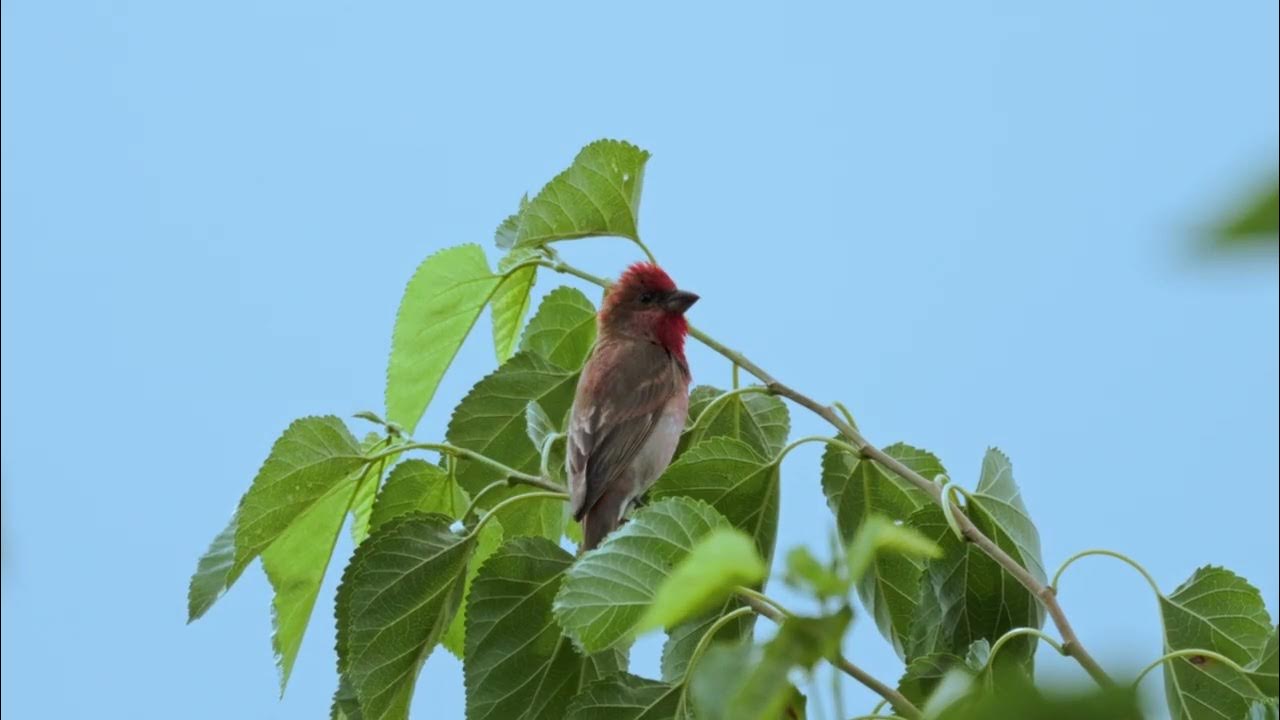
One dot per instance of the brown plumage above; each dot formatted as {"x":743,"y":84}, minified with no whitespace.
{"x":631,"y":402}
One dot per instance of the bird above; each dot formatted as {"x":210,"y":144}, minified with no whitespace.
{"x":631,"y":401}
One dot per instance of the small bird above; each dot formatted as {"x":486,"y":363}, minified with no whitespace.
{"x":632,"y":399}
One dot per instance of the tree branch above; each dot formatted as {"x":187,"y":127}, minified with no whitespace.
{"x":1071,"y":645}
{"x":512,"y":476}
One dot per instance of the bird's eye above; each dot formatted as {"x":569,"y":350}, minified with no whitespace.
{"x":646,"y":298}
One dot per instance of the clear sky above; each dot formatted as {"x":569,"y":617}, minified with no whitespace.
{"x":972,"y":222}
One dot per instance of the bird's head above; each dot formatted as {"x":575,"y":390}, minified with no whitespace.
{"x":646,"y":303}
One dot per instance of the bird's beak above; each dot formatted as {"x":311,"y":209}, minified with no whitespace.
{"x":680,"y":300}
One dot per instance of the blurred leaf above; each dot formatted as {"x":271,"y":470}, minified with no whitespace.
{"x":856,"y":489}
{"x":441,"y":304}
{"x":878,"y":536}
{"x":1025,"y":703}
{"x":719,"y":561}
{"x":683,"y":639}
{"x":397,"y":597}
{"x":563,"y":330}
{"x":744,"y":682}
{"x":491,"y":420}
{"x":1220,"y":611}
{"x":518,"y":665}
{"x":511,"y":301}
{"x":1255,"y":221}
{"x":598,"y":195}
{"x":805,"y":573}
{"x":608,"y":589}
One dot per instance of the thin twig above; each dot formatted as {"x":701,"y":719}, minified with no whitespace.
{"x":1072,"y":647}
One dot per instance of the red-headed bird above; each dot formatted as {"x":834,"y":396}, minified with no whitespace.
{"x":631,"y":402}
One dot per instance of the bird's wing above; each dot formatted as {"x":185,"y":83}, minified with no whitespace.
{"x":618,"y":403}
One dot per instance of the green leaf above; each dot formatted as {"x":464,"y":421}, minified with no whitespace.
{"x":345,"y":706}
{"x":878,"y":536}
{"x":997,"y":508}
{"x":441,"y":304}
{"x":598,"y":195}
{"x":1257,"y":219}
{"x":563,"y":330}
{"x":505,"y":236}
{"x":1265,"y":668}
{"x":856,"y":489}
{"x":417,"y":486}
{"x":923,"y":675}
{"x":488,"y":541}
{"x":740,"y":483}
{"x":719,"y":561}
{"x":1220,"y":611}
{"x":625,"y":697}
{"x":742,"y":682}
{"x":213,"y":573}
{"x":491,"y":420}
{"x":367,"y":491}
{"x":537,"y":424}
{"x":1021,"y":702}
{"x":314,"y":458}
{"x":511,"y":300}
{"x":518,"y":666}
{"x":397,"y":597}
{"x":296,"y":564}
{"x":757,"y":419}
{"x":607,"y":589}
{"x":965,"y":596}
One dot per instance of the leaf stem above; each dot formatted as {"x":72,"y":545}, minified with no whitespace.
{"x":703,"y":643}
{"x":724,"y":397}
{"x":475,"y":501}
{"x":1192,"y":652}
{"x":1107,"y":553}
{"x":513,"y":476}
{"x":834,"y":442}
{"x":770,"y":608}
{"x":541,"y":495}
{"x":1072,"y":646}
{"x":1004,"y":639}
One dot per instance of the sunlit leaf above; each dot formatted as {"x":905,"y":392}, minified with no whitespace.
{"x":417,"y":486}
{"x":511,"y":301}
{"x":598,"y":195}
{"x":441,"y":304}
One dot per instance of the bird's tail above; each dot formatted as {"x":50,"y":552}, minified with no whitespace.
{"x":602,"y":518}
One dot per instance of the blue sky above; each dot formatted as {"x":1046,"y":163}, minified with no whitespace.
{"x":974,"y":223}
